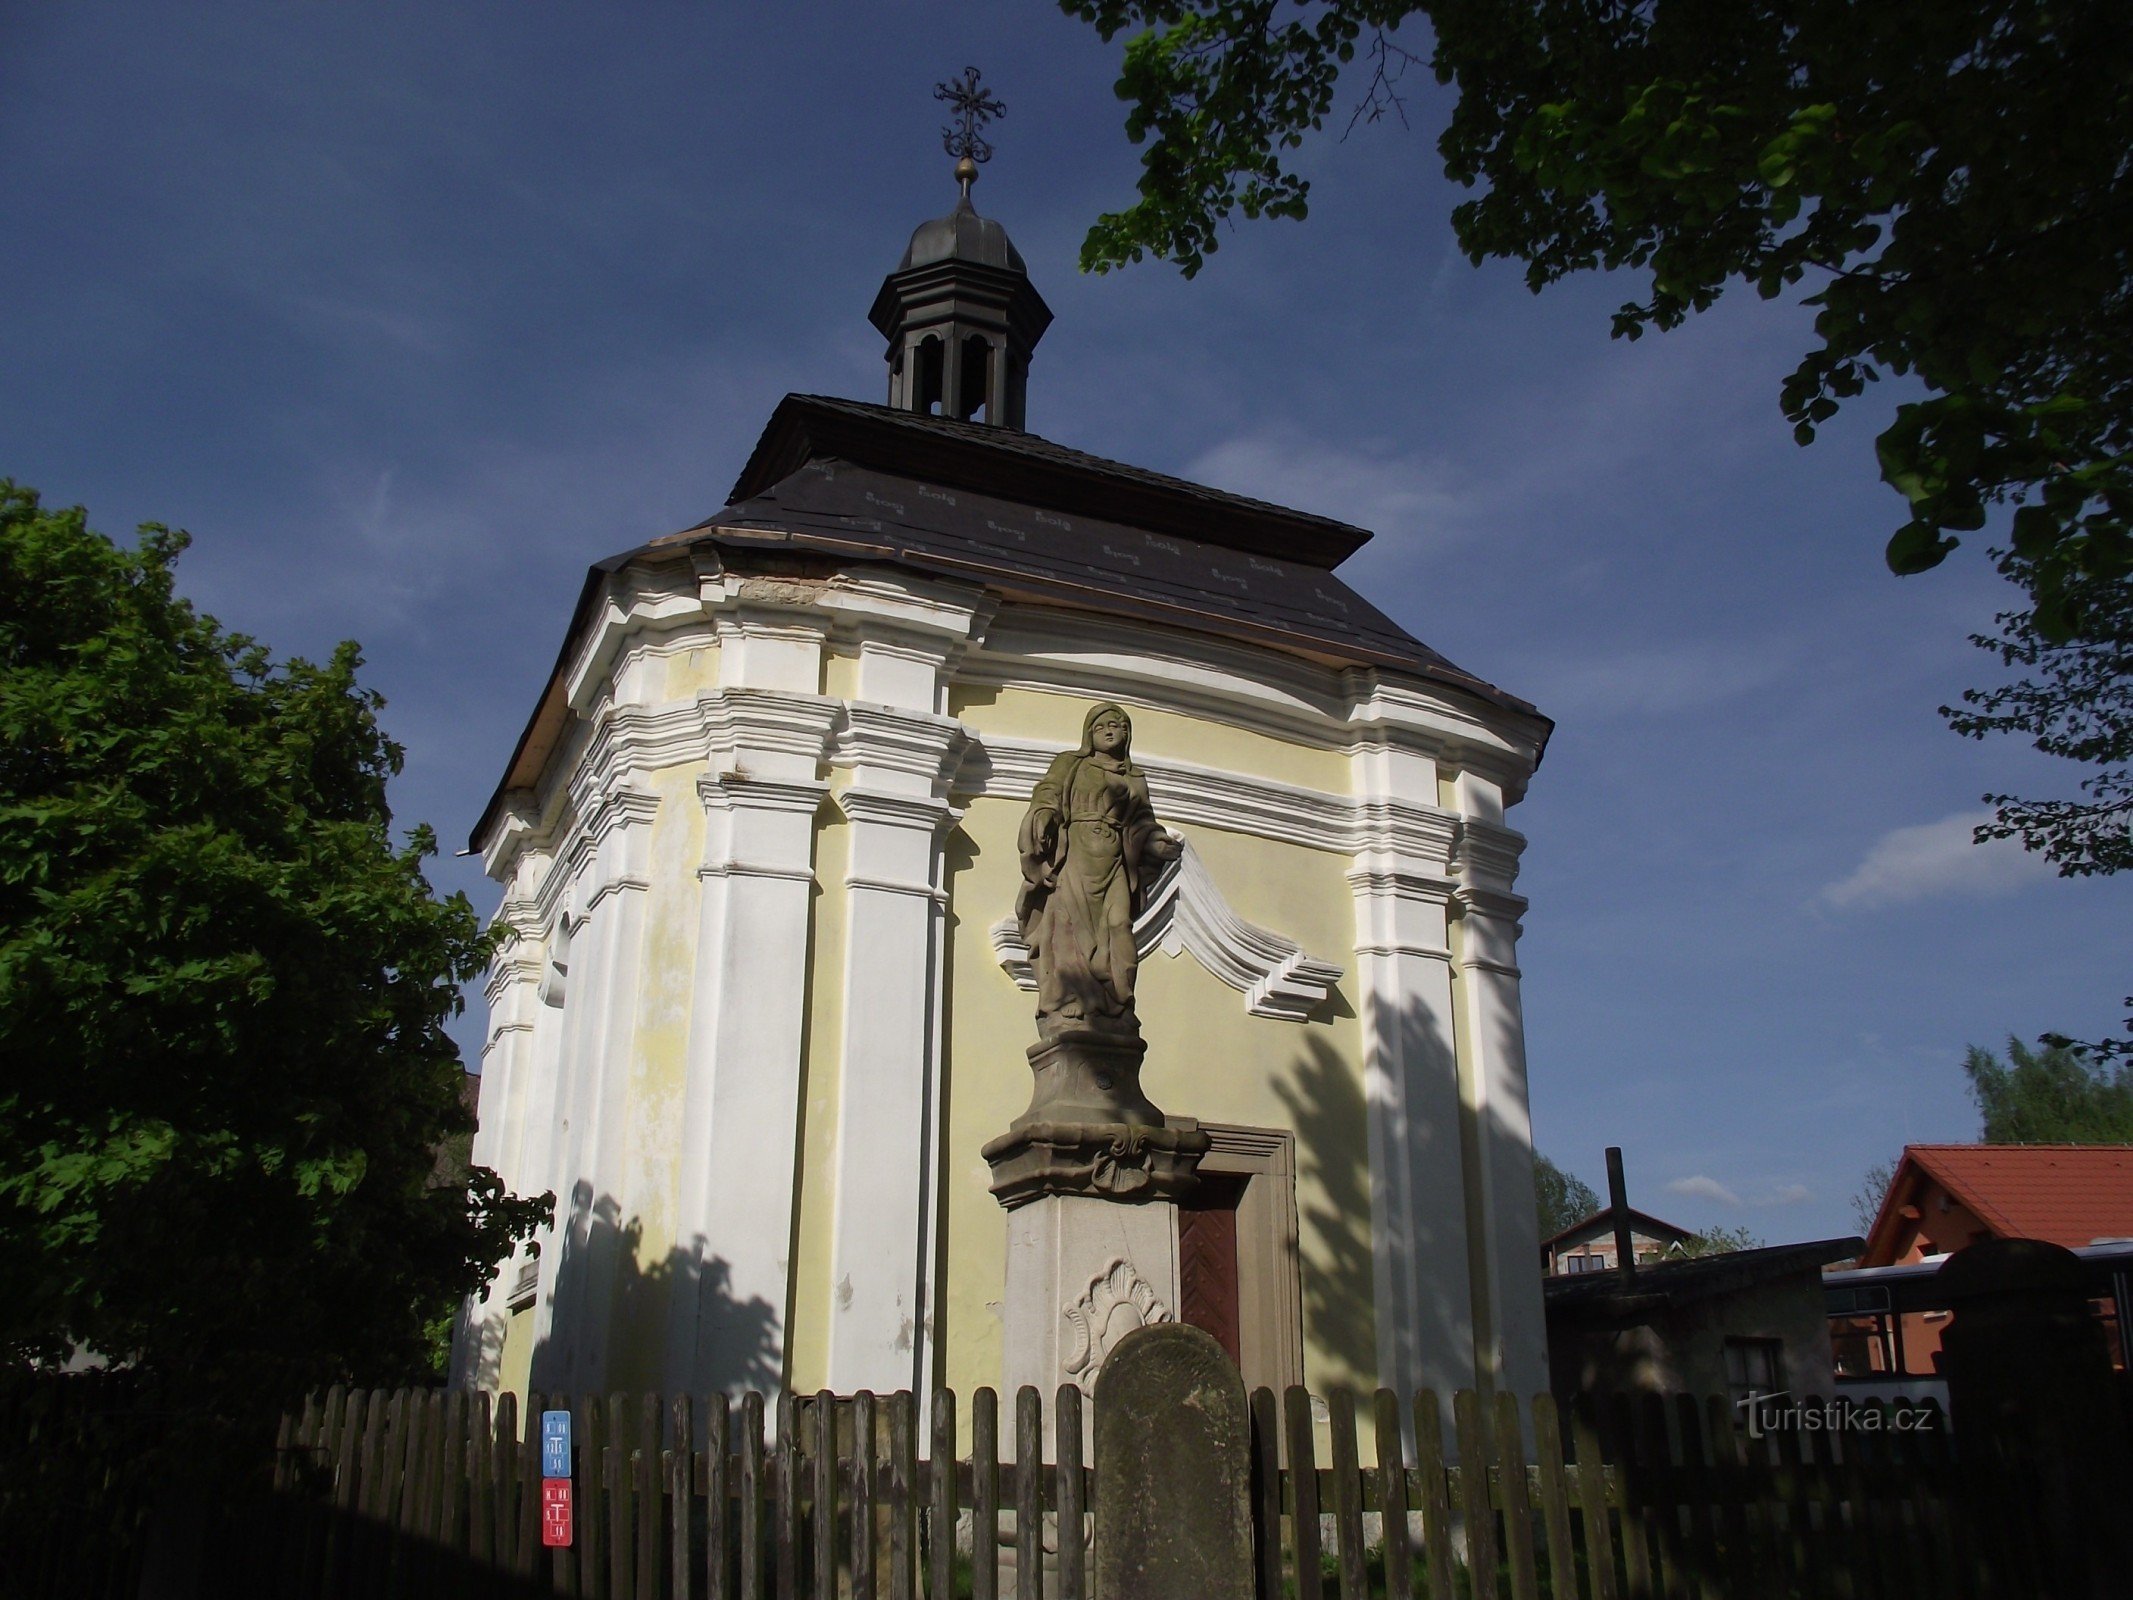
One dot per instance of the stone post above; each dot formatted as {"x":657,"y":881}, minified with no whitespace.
{"x":1173,"y":1471}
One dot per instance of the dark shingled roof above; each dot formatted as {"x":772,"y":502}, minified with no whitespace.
{"x":842,"y":481}
{"x":1021,"y":466}
{"x":1020,"y":513}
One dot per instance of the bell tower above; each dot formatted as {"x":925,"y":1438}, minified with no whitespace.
{"x":959,"y":312}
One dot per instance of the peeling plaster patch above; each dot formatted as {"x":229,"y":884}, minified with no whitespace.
{"x":903,"y":1336}
{"x":844,"y":1292}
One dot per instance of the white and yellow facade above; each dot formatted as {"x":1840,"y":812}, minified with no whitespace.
{"x":763,"y":1004}
{"x":754,"y":1024}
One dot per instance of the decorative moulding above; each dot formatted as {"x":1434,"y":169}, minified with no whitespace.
{"x":1186,"y":911}
{"x":1095,"y":1324}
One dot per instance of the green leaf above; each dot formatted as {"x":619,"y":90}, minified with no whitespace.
{"x":1917,"y":547}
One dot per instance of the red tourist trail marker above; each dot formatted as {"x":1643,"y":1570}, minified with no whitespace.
{"x":555,"y":1511}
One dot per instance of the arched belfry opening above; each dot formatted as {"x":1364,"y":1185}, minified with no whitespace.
{"x":961,"y":318}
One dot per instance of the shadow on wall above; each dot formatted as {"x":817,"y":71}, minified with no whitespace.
{"x":613,"y":1312}
{"x":1325,"y":1105}
{"x":1429,"y":1320}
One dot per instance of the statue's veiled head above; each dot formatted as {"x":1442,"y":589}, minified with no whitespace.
{"x":1108,"y":731}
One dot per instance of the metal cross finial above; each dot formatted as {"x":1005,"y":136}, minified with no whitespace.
{"x":974,"y":107}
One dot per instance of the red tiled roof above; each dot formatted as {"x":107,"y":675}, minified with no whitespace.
{"x":2067,"y":1194}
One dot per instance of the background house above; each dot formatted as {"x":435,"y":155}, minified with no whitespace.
{"x":1588,"y":1245}
{"x":1887,"y":1315}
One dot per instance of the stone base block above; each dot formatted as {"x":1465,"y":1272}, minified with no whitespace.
{"x":1085,"y":1076}
{"x":1082,"y":1273}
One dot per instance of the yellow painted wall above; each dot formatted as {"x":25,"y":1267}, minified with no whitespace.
{"x":1208,"y":1057}
{"x":1035,"y":714}
{"x":515,"y":1367}
{"x":691,"y":673}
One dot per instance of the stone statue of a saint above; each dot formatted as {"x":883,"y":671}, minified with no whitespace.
{"x":1088,"y":843}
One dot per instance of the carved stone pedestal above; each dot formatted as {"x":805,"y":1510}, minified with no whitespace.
{"x":1092,"y":1242}
{"x":1092,"y":1238}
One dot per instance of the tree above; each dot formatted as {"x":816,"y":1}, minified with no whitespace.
{"x":1873,"y":1189}
{"x":2076,"y":703}
{"x":1953,"y":183}
{"x":2057,"y":1095}
{"x":1563,"y":1197}
{"x":1720,"y":1241}
{"x":1953,"y":180}
{"x":222,"y":998}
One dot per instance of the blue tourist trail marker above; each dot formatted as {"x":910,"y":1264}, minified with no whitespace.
{"x":555,"y":1478}
{"x":555,"y":1444}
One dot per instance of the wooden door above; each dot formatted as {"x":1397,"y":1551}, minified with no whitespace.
{"x":1207,"y":1260}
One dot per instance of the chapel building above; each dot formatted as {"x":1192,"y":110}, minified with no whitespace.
{"x":766,"y":1001}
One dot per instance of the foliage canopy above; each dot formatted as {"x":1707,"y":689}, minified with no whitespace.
{"x":1952,"y":183}
{"x":1562,"y":1197}
{"x":222,"y":996}
{"x":1717,"y":1241}
{"x":2057,"y":1095}
{"x":1955,"y":184}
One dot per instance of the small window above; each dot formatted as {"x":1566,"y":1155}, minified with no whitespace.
{"x":1755,"y":1366}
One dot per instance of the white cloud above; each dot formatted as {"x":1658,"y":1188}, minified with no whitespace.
{"x":1699,"y":1187}
{"x":1935,"y":858}
{"x":1385,"y":492}
{"x":1786,"y":1194}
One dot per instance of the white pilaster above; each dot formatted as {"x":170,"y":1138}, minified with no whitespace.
{"x":902,"y":755}
{"x":592,"y":1200}
{"x":1503,"y":1218}
{"x":888,"y":1130}
{"x":1410,"y":1075}
{"x":768,"y":731}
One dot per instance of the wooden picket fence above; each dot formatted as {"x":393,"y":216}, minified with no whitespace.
{"x":427,"y":1493}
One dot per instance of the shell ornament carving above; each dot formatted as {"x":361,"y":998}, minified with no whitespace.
{"x":1118,"y":1300}
{"x":1122,"y":1165}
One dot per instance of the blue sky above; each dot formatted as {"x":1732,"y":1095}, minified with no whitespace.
{"x":409,"y":313}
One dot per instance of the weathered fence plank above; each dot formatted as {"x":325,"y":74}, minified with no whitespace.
{"x":905,"y":1495}
{"x":679,"y":1488}
{"x":1392,"y":1496}
{"x":1516,"y":1499}
{"x":748,"y":1518}
{"x":866,"y":1495}
{"x":785,"y":1486}
{"x":1474,"y":1498}
{"x":1432,"y":1493}
{"x":1594,"y":1516}
{"x":1743,"y":1572}
{"x":1303,"y":1481}
{"x":1029,"y":1495}
{"x":1554,"y":1497}
{"x":985,"y":1496}
{"x":1347,"y":1496}
{"x":822,"y":1447}
{"x":719,"y":1521}
{"x":1073,"y":1549}
{"x":1266,"y":1493}
{"x":1695,"y":1487}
